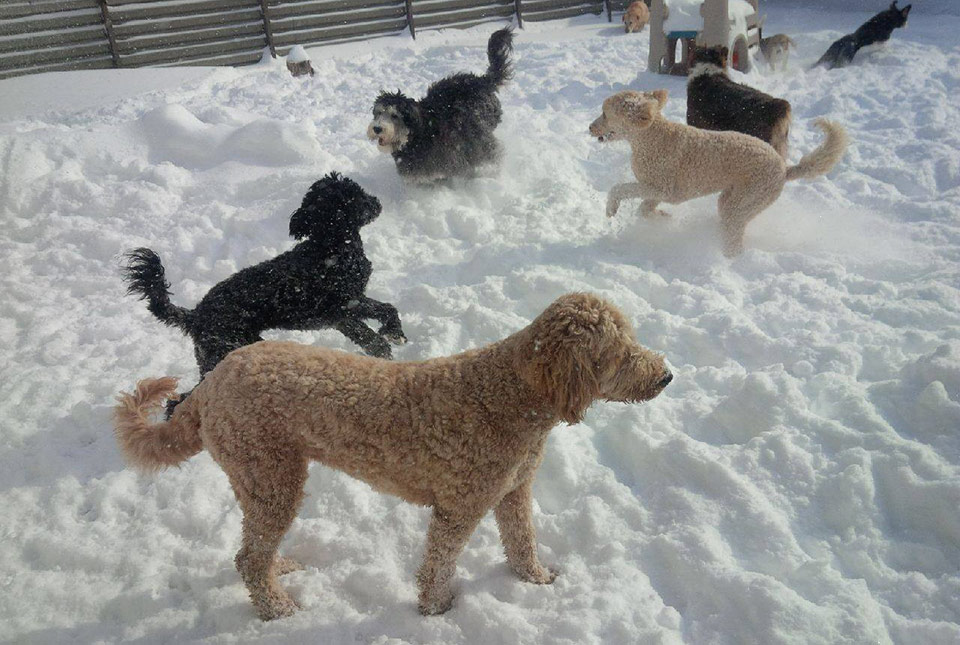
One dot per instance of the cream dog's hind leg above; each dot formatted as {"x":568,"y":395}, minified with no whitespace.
{"x":740,"y":204}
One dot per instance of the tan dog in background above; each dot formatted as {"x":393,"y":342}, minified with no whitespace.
{"x":463,"y":434}
{"x":776,"y":50}
{"x":674,"y":163}
{"x":636,"y":17}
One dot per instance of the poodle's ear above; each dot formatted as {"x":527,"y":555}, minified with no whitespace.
{"x":559,"y":355}
{"x":565,"y":378}
{"x":632,"y":106}
{"x":305,"y":221}
{"x":905,"y":11}
{"x":577,"y":387}
{"x":661,"y":95}
{"x":301,"y":220}
{"x":893,"y":6}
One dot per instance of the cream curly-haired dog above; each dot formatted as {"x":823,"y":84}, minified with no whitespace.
{"x":674,"y":163}
{"x":462,"y":434}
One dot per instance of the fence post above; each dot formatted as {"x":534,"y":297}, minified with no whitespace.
{"x":519,"y":9}
{"x":413,"y":31}
{"x":108,"y":26}
{"x":267,"y":29}
{"x":609,"y":11}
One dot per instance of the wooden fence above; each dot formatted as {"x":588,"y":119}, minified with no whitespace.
{"x":51,"y":35}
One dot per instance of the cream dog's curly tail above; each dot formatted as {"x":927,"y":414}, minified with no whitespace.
{"x":825,"y":157}
{"x":154,"y":446}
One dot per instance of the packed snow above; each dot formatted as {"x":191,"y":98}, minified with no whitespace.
{"x":798,"y":482}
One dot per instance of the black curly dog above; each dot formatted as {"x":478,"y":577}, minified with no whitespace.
{"x":319,"y":283}
{"x":876,"y":30}
{"x":449,"y":132}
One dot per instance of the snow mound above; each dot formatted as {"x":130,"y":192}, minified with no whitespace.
{"x":177,"y":135}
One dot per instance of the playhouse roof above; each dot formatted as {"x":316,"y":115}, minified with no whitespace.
{"x":685,"y":14}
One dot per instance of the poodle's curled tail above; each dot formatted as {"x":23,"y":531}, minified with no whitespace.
{"x":155,"y":446}
{"x":823,"y":158}
{"x":145,"y":277}
{"x":498,"y":53}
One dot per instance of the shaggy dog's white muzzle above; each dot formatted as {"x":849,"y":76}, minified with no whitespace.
{"x":385,"y":132}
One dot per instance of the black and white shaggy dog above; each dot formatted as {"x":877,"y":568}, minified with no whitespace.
{"x":449,"y":132}
{"x":319,"y":283}
{"x":714,"y":102}
{"x":876,"y":30}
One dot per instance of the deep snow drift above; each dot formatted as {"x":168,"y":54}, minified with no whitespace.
{"x":798,"y":482}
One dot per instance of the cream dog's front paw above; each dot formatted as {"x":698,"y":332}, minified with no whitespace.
{"x":613,"y":205}
{"x":436,"y":602}
{"x":540,"y":575}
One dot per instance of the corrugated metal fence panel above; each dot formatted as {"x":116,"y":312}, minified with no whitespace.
{"x":307,"y":22}
{"x":432,"y":14}
{"x":48,"y":35}
{"x":534,"y":10}
{"x":178,"y":31}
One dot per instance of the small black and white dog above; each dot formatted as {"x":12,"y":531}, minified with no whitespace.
{"x":714,"y":102}
{"x":876,"y":30}
{"x":449,"y":132}
{"x":319,"y":283}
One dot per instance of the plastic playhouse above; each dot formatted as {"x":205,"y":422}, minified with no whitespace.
{"x":734,"y":24}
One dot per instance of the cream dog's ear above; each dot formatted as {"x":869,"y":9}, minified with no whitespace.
{"x":661,"y":96}
{"x":632,"y":106}
{"x":562,"y":347}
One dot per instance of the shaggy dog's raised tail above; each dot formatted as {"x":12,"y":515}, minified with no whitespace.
{"x":155,"y":446}
{"x":825,"y":157}
{"x":145,"y":277}
{"x":498,"y":52}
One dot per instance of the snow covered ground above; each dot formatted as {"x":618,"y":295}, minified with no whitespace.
{"x":798,"y":482}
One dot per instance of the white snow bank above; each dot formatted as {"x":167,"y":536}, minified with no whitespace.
{"x":175,"y":134}
{"x":798,"y":482}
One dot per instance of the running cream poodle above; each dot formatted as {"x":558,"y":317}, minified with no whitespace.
{"x":674,"y":163}
{"x":462,"y":435}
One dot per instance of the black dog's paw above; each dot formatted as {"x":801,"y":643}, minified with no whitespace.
{"x":172,"y":404}
{"x":393,"y":336}
{"x":379,"y":349}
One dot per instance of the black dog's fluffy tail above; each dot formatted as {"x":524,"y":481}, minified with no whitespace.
{"x":498,"y":53}
{"x":145,"y":277}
